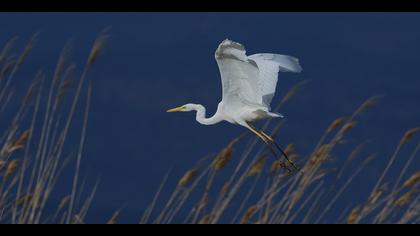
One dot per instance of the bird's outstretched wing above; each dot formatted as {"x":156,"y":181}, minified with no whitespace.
{"x":239,"y":75}
{"x":269,"y":66}
{"x":250,"y":79}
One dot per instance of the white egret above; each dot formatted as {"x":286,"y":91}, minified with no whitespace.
{"x":249,"y":84}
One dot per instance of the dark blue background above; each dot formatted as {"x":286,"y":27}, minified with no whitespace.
{"x":156,"y":61}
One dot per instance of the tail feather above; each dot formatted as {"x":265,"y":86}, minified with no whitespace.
{"x":276,"y":115}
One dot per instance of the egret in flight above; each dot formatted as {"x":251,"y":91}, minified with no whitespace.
{"x":248,"y":86}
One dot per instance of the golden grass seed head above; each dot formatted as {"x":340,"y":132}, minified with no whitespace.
{"x":249,"y":214}
{"x":25,"y":200}
{"x":202,"y":202}
{"x":275,"y":166}
{"x":224,"y":157}
{"x":7,"y":68}
{"x":114,"y":218}
{"x":65,"y":83}
{"x":370,"y":102}
{"x":412,"y":181}
{"x":206,"y":219}
{"x":224,"y":189}
{"x":7,"y":48}
{"x":22,"y":140}
{"x":335,"y":124}
{"x":97,"y":48}
{"x":323,"y":150}
{"x":409,"y":134}
{"x":354,"y":216}
{"x":30,"y":94}
{"x":63,"y":60}
{"x":11,"y":168}
{"x":320,"y":155}
{"x":375,"y":196}
{"x":188,"y":177}
{"x":28,"y":49}
{"x":64,"y":87}
{"x":19,"y":143}
{"x":290,"y":148}
{"x":321,"y":174}
{"x":404,"y":199}
{"x":348,"y":126}
{"x":378,"y":193}
{"x":256,"y":167}
{"x":64,"y":202}
{"x":77,"y":219}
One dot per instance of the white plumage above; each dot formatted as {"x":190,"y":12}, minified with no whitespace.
{"x":248,"y":86}
{"x":250,"y":81}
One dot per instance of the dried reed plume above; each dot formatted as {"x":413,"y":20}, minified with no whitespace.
{"x":224,"y":156}
{"x":11,"y":168}
{"x":98,"y":47}
{"x":206,"y":219}
{"x":248,"y":215}
{"x":24,"y":200}
{"x":347,"y":127}
{"x":412,"y":181}
{"x":64,"y":202}
{"x":354,"y":215}
{"x":32,"y":158}
{"x":114,"y":218}
{"x":20,"y":142}
{"x":409,"y":134}
{"x":371,"y":102}
{"x":256,"y":167}
{"x":404,"y":199}
{"x":188,"y":177}
{"x":278,"y":197}
{"x":335,"y":124}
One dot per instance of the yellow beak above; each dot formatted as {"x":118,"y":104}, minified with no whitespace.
{"x":176,"y":109}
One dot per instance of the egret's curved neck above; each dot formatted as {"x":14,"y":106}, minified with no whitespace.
{"x":201,"y":116}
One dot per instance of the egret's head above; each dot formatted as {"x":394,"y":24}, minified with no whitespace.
{"x":183,"y":108}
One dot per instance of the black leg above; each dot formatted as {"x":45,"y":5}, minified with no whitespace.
{"x":271,"y":140}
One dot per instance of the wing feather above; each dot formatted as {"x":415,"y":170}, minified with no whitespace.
{"x":239,"y":74}
{"x":253,"y":79}
{"x":269,"y":65}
